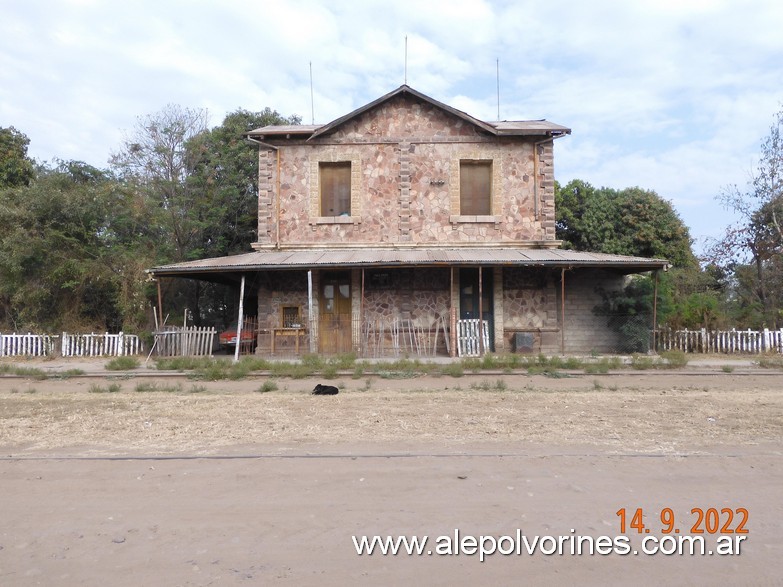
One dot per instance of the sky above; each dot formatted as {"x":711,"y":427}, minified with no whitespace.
{"x":673,"y":96}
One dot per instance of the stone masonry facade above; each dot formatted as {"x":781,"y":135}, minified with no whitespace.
{"x":404,"y":158}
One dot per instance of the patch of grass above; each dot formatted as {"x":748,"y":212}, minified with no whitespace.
{"x":267,"y":386}
{"x":595,"y":368}
{"x":367,"y":385}
{"x":30,"y":373}
{"x":573,"y":363}
{"x":597,"y":385}
{"x":125,"y":363}
{"x":642,"y":362}
{"x":343,"y":362}
{"x":111,"y":388}
{"x":486,"y":385}
{"x":183,"y":363}
{"x":771,"y":362}
{"x":293,"y":370}
{"x":155,"y":386}
{"x":197,"y":388}
{"x":674,"y":359}
{"x":453,"y":370}
{"x":67,"y":374}
{"x":358,"y":370}
{"x":314,"y":362}
{"x":555,"y":374}
{"x":329,"y":372}
{"x":727,"y":369}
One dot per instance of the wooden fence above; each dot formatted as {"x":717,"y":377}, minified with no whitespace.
{"x":468,"y":338}
{"x":70,"y":345}
{"x":100,"y":345}
{"x":27,"y":345}
{"x":719,"y":341}
{"x":191,"y":341}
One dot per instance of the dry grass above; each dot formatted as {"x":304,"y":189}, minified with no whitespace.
{"x":644,"y":413}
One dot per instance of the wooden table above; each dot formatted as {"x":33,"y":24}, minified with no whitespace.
{"x":297,"y":332}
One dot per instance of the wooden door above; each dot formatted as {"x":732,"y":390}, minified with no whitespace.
{"x":334,"y":305}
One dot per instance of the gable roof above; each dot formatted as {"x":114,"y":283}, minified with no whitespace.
{"x":500,"y":128}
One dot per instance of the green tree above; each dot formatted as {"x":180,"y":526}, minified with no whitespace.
{"x":635,"y":222}
{"x":16,"y":168}
{"x":631,"y":221}
{"x":225,"y":174}
{"x":73,"y":252}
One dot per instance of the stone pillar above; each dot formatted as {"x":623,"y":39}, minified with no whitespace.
{"x":405,"y":192}
{"x":266,"y":193}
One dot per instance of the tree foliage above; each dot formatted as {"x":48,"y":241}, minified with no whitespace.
{"x":752,"y":248}
{"x":77,"y":239}
{"x":73,"y":252}
{"x":16,"y":168}
{"x":631,"y":221}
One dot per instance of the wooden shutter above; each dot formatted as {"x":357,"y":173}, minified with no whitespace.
{"x":475,"y":188}
{"x":335,"y":189}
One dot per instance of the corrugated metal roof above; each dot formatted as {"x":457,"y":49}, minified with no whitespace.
{"x":505,"y":127}
{"x":418,"y":257}
{"x":285,"y":129}
{"x":528,"y":127}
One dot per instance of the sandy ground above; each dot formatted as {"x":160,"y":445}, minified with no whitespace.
{"x":216,"y":483}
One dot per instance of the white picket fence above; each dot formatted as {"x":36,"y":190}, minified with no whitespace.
{"x":468,"y":337}
{"x":185,"y":342}
{"x":27,"y":345}
{"x":720,"y":341}
{"x":70,"y":345}
{"x":100,"y":345}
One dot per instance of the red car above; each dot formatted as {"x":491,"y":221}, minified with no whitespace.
{"x":228,"y":338}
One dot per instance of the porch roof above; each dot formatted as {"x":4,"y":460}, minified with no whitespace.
{"x":234,"y":265}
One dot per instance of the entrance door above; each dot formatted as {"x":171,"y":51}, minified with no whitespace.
{"x":469,"y":298}
{"x":334,"y":306}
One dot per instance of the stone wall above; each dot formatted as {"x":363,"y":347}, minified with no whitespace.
{"x":277,"y":290}
{"x":584,"y":331}
{"x":404,"y":158}
{"x":529,"y":307}
{"x":526,"y":301}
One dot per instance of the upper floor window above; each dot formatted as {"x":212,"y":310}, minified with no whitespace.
{"x":475,"y":188}
{"x":335,"y":181}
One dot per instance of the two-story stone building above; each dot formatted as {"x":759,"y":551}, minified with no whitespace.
{"x":402,"y":226}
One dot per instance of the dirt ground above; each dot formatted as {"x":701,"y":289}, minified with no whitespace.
{"x":218,"y":483}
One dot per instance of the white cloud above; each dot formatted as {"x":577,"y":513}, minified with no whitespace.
{"x":669,"y":95}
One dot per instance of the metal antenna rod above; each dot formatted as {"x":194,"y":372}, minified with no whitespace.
{"x":497,"y":64}
{"x":312,"y":101}
{"x":406,"y":60}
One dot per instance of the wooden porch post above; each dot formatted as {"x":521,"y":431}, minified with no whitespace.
{"x":239,"y":320}
{"x":160,"y":304}
{"x":310,"y":318}
{"x":452,"y":318}
{"x":655,"y":313}
{"x":481,"y":313}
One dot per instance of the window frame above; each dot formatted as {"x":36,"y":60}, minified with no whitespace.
{"x":340,"y":195}
{"x":337,"y":159}
{"x":496,"y":188}
{"x":485,"y":203}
